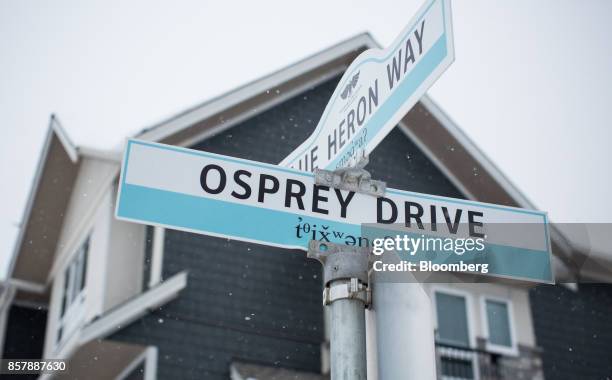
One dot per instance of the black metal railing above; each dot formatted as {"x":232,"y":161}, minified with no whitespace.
{"x":464,"y":363}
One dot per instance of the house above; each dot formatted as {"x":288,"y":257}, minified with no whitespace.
{"x":128,"y":301}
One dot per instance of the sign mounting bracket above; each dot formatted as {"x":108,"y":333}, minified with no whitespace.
{"x":355,"y":179}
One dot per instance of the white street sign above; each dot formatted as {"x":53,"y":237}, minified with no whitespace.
{"x":377,"y":90}
{"x":223,"y":196}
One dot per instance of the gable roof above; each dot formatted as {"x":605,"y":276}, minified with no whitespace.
{"x":426,"y":124}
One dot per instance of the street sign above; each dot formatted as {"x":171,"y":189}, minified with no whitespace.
{"x":377,"y":90}
{"x":229,"y":197}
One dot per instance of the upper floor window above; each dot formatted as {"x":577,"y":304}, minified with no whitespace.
{"x":72,"y":291}
{"x":453,"y":327}
{"x":499,"y":325}
{"x":453,"y":339}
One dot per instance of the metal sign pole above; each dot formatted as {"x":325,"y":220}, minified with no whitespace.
{"x":403,"y":321}
{"x":345,"y":273}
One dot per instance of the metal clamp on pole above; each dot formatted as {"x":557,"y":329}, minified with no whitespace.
{"x":355,"y":179}
{"x":345,"y":271}
{"x":345,"y":274}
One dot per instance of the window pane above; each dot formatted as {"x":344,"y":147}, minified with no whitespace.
{"x":65,"y":292}
{"x":452,"y":319}
{"x":78,"y":265}
{"x":84,"y":265}
{"x":499,"y":323}
{"x":73,"y":281}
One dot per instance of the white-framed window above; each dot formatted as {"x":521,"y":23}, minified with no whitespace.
{"x":453,"y":312}
{"x":73,"y":292}
{"x":498,"y":323}
{"x":454,"y":334}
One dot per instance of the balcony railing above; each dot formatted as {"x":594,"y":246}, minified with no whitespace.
{"x":463,"y":363}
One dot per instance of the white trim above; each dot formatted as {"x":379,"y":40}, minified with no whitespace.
{"x":3,"y":319}
{"x":53,"y":316}
{"x":513,"y":349}
{"x":99,"y":257}
{"x":62,"y":136}
{"x":6,"y":300}
{"x":151,"y":363}
{"x":45,"y":376}
{"x":104,"y":155}
{"x":27,"y":286}
{"x":234,"y":373}
{"x":127,"y":370}
{"x":134,"y":309}
{"x":149,"y":357}
{"x":7,"y":293}
{"x":83,"y":228}
{"x":271,"y":103}
{"x":469,"y":306}
{"x":573,"y":286}
{"x":157,"y":256}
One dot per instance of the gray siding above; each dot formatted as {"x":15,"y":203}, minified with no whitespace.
{"x":574,"y":330}
{"x":251,"y":302}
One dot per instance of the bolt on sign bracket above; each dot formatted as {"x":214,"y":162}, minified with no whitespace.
{"x":355,"y":179}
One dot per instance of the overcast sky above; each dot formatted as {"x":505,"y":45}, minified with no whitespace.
{"x":531,"y":84}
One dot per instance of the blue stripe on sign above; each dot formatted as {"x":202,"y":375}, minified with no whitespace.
{"x":503,"y":261}
{"x":406,"y":88}
{"x":271,"y":227}
{"x":243,"y":222}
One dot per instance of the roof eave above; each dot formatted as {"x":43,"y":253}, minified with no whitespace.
{"x":187,"y":118}
{"x":54,"y":130}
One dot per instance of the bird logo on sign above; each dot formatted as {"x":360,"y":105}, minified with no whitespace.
{"x":350,"y":86}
